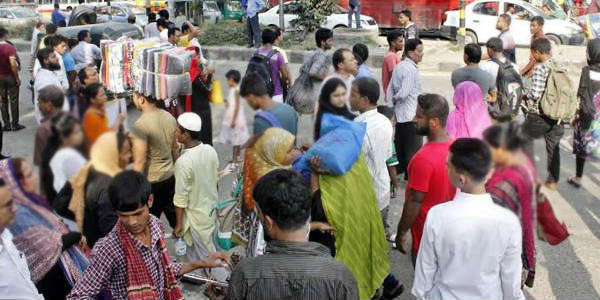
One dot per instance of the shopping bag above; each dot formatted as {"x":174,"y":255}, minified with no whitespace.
{"x":301,"y":95}
{"x":216,"y":94}
{"x":548,"y":227}
{"x":338,"y":147}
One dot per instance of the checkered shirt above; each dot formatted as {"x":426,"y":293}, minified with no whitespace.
{"x":538,"y":86}
{"x":108,"y":269}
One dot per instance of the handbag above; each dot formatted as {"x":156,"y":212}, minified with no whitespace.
{"x":301,"y":95}
{"x":216,"y":93}
{"x":548,"y":227}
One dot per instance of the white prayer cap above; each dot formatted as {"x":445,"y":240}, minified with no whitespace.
{"x":190,"y":121}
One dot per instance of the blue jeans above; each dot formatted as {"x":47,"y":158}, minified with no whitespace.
{"x":253,"y":31}
{"x":356,"y":11}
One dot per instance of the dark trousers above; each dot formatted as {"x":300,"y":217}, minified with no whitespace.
{"x":253,"y":31}
{"x":407,"y":144}
{"x":9,"y":95}
{"x":537,"y":126}
{"x":163,"y":192}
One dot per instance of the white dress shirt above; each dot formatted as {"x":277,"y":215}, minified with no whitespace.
{"x":377,"y":148}
{"x":470,"y":249}
{"x":15,"y":282}
{"x":61,"y":74}
{"x":85,"y":54}
{"x":43,"y":79}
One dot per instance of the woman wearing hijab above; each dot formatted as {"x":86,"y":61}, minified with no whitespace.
{"x":273,"y":149}
{"x":513,"y":185}
{"x":470,"y":117}
{"x":93,"y":210}
{"x":333,"y":101}
{"x":589,"y":85}
{"x":54,"y":259}
{"x":199,"y":102}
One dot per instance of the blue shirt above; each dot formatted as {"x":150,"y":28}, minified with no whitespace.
{"x":254,"y":6}
{"x":57,"y":17}
{"x":363,"y":71}
{"x":69,"y":62}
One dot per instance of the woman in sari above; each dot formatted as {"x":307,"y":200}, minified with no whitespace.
{"x":55,"y":261}
{"x":470,"y":117}
{"x":201,"y":77}
{"x":273,"y":149}
{"x":347,"y":205}
{"x":93,"y":211}
{"x":513,"y":185}
{"x":589,"y":85}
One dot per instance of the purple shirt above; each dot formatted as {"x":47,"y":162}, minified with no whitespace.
{"x":277,"y":62}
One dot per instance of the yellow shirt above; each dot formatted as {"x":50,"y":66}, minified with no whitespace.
{"x":285,"y":59}
{"x":184,"y":41}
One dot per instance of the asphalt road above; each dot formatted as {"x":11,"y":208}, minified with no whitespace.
{"x":570,"y":270}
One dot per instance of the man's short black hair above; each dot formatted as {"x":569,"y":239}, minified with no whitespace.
{"x":162,"y":23}
{"x":387,"y":111}
{"x":51,"y":41}
{"x":338,"y":57}
{"x":361,"y":53}
{"x":82,"y":75}
{"x":52,"y":94}
{"x":171,"y":31}
{"x":542,"y":45}
{"x":407,"y":13}
{"x":151,"y":17}
{"x":50,"y":28}
{"x":253,"y":84}
{"x":322,"y":35}
{"x":471,"y":157}
{"x":268,"y":36}
{"x":434,"y":106}
{"x":473,"y":53}
{"x":234,"y":75}
{"x":394,"y":35}
{"x":538,"y":20}
{"x":56,"y":6}
{"x":43,"y":54}
{"x":82,"y":34}
{"x":185,"y":27}
{"x":3,"y":32}
{"x":495,"y":44}
{"x":368,"y":87}
{"x":284,"y":196}
{"x":72,"y":43}
{"x":164,"y":14}
{"x":506,"y":18}
{"x":412,"y":44}
{"x":128,"y":191}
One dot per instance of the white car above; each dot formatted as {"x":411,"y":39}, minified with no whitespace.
{"x":339,"y":19}
{"x":481,"y":17}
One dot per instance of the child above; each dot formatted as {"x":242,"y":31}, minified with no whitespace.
{"x":234,"y":130}
{"x":392,"y":162}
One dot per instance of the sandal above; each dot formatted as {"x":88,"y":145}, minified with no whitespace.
{"x":573,"y":182}
{"x":393,"y":294}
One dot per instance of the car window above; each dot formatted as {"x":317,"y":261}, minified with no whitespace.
{"x":117,"y":12}
{"x":290,"y":8}
{"x":3,"y":14}
{"x":102,"y":10}
{"x":23,"y":13}
{"x":518,"y":12}
{"x":486,"y":8}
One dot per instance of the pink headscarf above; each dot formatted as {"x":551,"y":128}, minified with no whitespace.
{"x":470,"y":117}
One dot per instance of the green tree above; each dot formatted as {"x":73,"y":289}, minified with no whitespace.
{"x":312,"y":14}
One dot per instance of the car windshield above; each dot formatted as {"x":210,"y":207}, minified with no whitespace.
{"x":137,"y":10}
{"x":212,"y":5}
{"x":23,"y":13}
{"x":540,"y":12}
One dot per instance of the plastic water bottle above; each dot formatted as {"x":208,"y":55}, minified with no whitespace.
{"x":180,"y":247}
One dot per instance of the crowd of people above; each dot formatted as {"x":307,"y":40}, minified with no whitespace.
{"x":89,"y":227}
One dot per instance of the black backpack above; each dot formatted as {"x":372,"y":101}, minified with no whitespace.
{"x":261,"y":64}
{"x":510,"y":91}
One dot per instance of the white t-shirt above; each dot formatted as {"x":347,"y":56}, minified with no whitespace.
{"x":65,"y":164}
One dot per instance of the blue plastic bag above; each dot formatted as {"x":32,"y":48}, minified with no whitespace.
{"x":339,"y":146}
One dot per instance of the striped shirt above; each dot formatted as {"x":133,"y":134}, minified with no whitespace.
{"x":404,"y":88}
{"x":292,"y":270}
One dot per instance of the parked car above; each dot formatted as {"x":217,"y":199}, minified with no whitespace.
{"x":17,"y":16}
{"x":120,"y":13}
{"x":481,"y":17}
{"x":339,"y":19}
{"x":102,"y":31}
{"x":233,"y":10}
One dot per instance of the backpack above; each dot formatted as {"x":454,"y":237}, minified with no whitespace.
{"x":261,"y":64}
{"x":510,"y":90}
{"x":559,"y":101}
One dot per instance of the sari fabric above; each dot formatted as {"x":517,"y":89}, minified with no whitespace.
{"x":37,"y":233}
{"x":351,"y":207}
{"x":104,"y":158}
{"x":265,"y":155}
{"x":470,"y":117}
{"x":513,"y":187}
